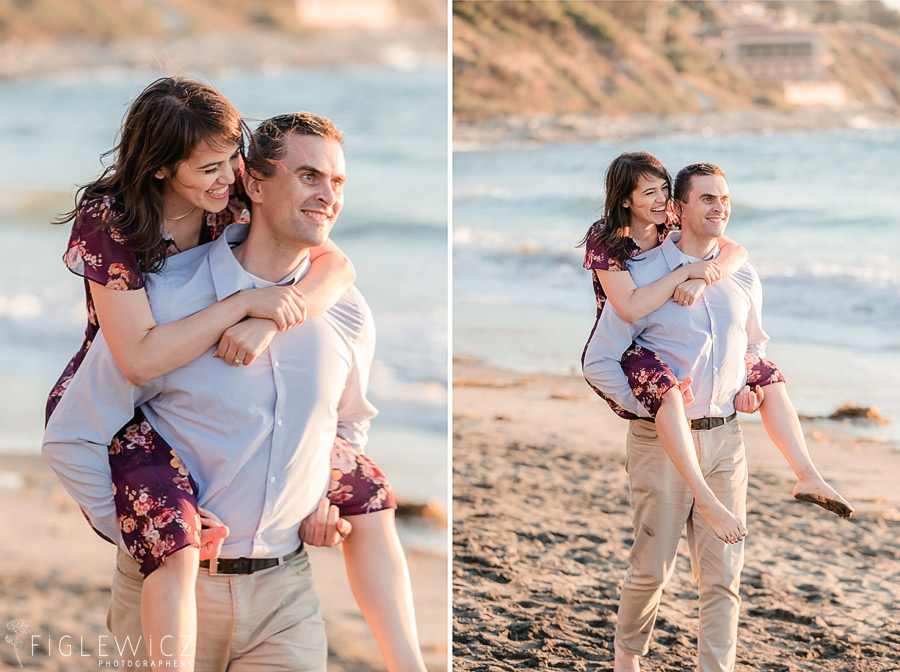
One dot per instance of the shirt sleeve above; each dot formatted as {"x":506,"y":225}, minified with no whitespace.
{"x":602,"y":364}
{"x":355,"y":411}
{"x":98,"y":249}
{"x":98,"y":402}
{"x":756,"y":336}
{"x":596,"y":256}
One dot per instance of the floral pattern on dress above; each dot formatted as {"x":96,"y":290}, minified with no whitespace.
{"x":762,"y":372}
{"x":154,"y":493}
{"x":357,"y":484}
{"x":649,"y":377}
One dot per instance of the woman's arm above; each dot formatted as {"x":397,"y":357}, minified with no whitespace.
{"x":633,"y":303}
{"x":731,"y":257}
{"x":330,"y":275}
{"x":145,"y":350}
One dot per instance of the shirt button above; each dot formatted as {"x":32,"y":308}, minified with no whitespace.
{"x":275,"y":364}
{"x":272,"y":480}
{"x":259,"y":535}
{"x":279,"y":423}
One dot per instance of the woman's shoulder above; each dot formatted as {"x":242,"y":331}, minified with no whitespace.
{"x":99,"y":246}
{"x":596,"y":254}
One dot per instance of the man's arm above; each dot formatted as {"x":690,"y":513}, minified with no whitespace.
{"x":97,"y":403}
{"x":602,"y":360}
{"x":324,"y":527}
{"x":756,"y":337}
{"x":355,"y":411}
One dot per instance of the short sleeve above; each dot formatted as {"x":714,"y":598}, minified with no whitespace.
{"x":98,"y":249}
{"x":596,"y":256}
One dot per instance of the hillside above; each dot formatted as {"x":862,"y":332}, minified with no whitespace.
{"x":39,"y":37}
{"x":121,"y":19}
{"x":618,"y":58}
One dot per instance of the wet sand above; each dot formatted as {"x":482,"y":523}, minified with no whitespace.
{"x":542,"y":529}
{"x":55,"y":575}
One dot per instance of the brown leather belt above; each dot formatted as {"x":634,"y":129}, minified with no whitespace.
{"x":701,"y":424}
{"x":247,"y":565}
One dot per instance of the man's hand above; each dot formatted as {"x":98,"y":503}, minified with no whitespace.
{"x":687,"y":394}
{"x":212,"y":535}
{"x":747,"y":400}
{"x":689,"y":291}
{"x":324,"y":526}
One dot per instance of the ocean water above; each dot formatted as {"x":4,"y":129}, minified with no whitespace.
{"x":393,"y":226}
{"x":816,"y":211}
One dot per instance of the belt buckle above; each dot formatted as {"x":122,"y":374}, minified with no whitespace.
{"x":704,"y":423}
{"x":214,"y":569}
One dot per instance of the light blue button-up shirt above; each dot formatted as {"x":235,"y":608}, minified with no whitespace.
{"x":706,"y":341}
{"x":257,"y":439}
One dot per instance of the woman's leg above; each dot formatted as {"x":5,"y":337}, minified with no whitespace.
{"x":169,"y":610}
{"x":656,"y":387}
{"x":379,"y":579}
{"x":675,"y":437}
{"x":376,"y":566}
{"x":158,"y":516}
{"x":783,"y":427}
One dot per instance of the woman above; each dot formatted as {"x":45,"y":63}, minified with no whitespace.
{"x":636,"y":219}
{"x":172,"y":187}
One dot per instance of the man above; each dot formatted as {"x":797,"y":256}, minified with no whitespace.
{"x":256,"y":439}
{"x":705,"y":342}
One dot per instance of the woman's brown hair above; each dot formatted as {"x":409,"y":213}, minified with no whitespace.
{"x":621,"y":180}
{"x":164,"y":125}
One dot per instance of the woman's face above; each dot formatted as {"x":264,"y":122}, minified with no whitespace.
{"x":648,"y":201}
{"x":201,"y":181}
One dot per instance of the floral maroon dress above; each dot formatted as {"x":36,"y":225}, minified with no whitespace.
{"x":155,"y":496}
{"x":648,"y":375}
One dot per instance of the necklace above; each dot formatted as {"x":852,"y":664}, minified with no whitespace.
{"x":175,"y":219}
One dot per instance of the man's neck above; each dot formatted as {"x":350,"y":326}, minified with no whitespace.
{"x":696,"y":247}
{"x":269,"y":261}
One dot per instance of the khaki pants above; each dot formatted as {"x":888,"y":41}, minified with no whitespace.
{"x":663,"y":506}
{"x":267,"y":620}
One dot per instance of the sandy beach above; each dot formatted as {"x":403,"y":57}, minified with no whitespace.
{"x":542,"y":529}
{"x":55,"y":575}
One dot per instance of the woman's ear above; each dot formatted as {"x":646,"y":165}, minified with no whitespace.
{"x":162,"y":174}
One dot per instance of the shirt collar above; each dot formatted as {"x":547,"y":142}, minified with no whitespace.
{"x":229,"y":277}
{"x":675,"y":257}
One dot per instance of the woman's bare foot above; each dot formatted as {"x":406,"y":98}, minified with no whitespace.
{"x":817,"y":491}
{"x":726,"y":526}
{"x":625,"y":662}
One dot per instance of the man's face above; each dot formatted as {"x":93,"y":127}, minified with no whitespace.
{"x":707,"y":207}
{"x":301,"y":201}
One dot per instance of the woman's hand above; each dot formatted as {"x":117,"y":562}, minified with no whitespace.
{"x":242,"y":343}
{"x":689,"y":291}
{"x":285,"y":306}
{"x":324,"y":526}
{"x":708,"y":270}
{"x":212,"y":534}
